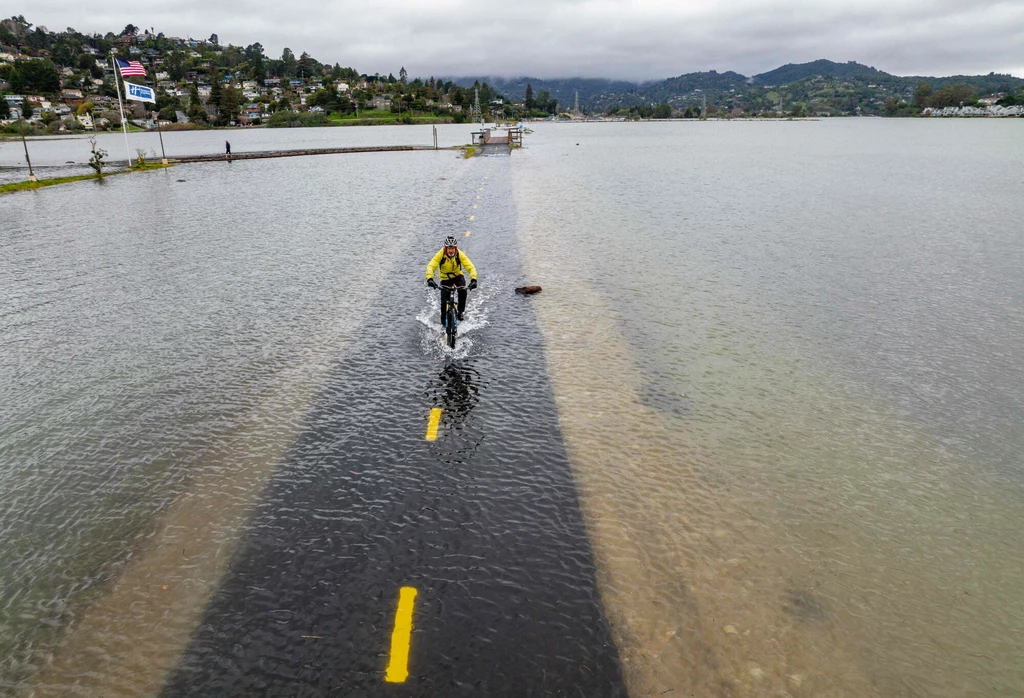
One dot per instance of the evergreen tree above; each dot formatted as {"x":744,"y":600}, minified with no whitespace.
{"x":196,"y":112}
{"x":230,"y":101}
{"x":215,"y":89}
{"x":528,"y":102}
{"x":305,"y":66}
{"x":288,"y":63}
{"x":5,"y":111}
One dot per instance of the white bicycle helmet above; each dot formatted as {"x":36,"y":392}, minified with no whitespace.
{"x":450,"y":241}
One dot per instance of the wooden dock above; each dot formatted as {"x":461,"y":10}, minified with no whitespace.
{"x":296,"y":153}
{"x":498,"y":140}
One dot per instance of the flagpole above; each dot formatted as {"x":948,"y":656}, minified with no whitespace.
{"x":124,"y":123}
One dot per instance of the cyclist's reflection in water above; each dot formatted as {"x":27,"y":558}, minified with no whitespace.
{"x":458,"y":393}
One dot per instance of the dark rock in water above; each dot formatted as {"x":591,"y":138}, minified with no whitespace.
{"x":804,"y":604}
{"x":655,"y":397}
{"x":528,"y":290}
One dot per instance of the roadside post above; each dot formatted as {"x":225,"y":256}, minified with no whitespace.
{"x":21,"y":127}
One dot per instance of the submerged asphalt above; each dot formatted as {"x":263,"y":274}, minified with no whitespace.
{"x":484,"y":523}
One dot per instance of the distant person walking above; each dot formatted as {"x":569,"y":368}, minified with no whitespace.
{"x":227,"y":150}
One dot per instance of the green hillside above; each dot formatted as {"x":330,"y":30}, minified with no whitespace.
{"x":791,"y":72}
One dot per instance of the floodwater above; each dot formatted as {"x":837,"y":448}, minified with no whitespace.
{"x":62,"y":156}
{"x":785,"y":357}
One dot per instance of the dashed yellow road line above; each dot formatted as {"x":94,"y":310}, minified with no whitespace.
{"x":468,"y":233}
{"x":474,"y":205}
{"x":398,"y":665}
{"x":435,"y":419}
{"x":472,"y":218}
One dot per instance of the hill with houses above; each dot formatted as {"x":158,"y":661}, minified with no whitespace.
{"x":64,"y":81}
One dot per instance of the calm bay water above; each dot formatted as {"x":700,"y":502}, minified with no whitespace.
{"x":786,"y":359}
{"x":789,"y":359}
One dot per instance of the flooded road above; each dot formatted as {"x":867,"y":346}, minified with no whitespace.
{"x":759,"y":435}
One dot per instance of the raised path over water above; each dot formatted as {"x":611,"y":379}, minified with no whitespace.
{"x":305,"y":151}
{"x":479,"y":525}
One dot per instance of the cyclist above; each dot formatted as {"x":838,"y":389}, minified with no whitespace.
{"x":449,"y":262}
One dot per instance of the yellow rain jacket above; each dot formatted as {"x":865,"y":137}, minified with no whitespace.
{"x":450,"y":267}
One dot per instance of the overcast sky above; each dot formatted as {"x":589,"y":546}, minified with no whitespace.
{"x":633,"y":40}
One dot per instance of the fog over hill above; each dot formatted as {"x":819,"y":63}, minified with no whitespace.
{"x":827,"y":86}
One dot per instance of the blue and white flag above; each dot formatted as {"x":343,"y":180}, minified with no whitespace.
{"x":139,"y":93}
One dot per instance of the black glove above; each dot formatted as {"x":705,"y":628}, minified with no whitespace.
{"x":472,"y":284}
{"x":431,"y":283}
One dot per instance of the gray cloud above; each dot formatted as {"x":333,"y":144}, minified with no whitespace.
{"x":628,"y":39}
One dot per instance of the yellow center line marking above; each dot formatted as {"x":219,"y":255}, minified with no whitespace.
{"x":478,"y":196}
{"x":398,"y":666}
{"x":472,"y":218}
{"x":435,"y":419}
{"x":474,"y":205}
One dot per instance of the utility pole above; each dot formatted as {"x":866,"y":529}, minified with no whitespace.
{"x":576,"y":104}
{"x":21,"y":127}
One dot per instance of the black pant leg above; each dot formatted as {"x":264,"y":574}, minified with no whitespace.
{"x":460,"y":283}
{"x":446,"y":294}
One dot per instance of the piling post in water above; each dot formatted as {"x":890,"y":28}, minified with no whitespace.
{"x":21,"y":128}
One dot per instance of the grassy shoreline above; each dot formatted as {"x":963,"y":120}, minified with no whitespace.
{"x":29,"y":185}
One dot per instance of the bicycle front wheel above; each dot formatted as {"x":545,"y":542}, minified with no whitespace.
{"x":451,"y":325}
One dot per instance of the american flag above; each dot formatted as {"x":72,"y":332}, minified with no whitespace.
{"x":130,"y":68}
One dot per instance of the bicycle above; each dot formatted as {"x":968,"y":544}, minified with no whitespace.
{"x":451,"y":313}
